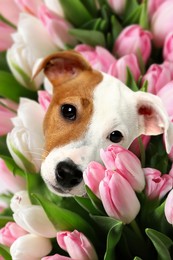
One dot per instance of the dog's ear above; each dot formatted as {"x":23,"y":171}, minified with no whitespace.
{"x":153,"y":118}
{"x":61,"y":66}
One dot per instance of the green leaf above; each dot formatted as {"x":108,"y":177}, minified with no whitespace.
{"x":130,"y":7}
{"x":5,"y":252}
{"x":113,"y":238}
{"x":133,"y":17}
{"x":116,"y":27}
{"x":4,"y":220}
{"x":3,"y":61}
{"x":93,"y":24}
{"x":144,"y":86}
{"x":11,"y":89}
{"x":95,"y":201}
{"x":75,"y":12}
{"x":90,"y":5}
{"x":3,"y":146}
{"x":161,"y":243}
{"x":64,"y":219}
{"x":12,"y":166}
{"x":90,"y":37}
{"x":34,"y":181}
{"x":137,"y":258}
{"x":130,"y":82}
{"x":87,"y":205}
{"x":105,"y":223}
{"x":143,"y":20}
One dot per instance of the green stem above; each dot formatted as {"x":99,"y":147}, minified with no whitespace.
{"x":142,"y":151}
{"x":136,"y":229}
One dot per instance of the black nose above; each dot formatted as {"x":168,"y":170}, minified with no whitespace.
{"x":67,"y":174}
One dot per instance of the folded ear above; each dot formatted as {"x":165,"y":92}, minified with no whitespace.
{"x":153,"y":118}
{"x":61,"y":66}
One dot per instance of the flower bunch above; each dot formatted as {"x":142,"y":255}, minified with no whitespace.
{"x":127,"y":212}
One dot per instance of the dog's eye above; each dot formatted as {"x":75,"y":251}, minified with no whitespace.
{"x":115,"y":137}
{"x":68,"y":111}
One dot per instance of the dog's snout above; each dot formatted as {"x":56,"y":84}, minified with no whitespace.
{"x":67,"y":174}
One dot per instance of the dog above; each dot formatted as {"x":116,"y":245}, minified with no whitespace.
{"x":90,"y":110}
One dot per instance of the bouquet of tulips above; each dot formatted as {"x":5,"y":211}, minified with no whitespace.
{"x":127,"y":212}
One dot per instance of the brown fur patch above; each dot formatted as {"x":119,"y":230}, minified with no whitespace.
{"x":79,"y":92}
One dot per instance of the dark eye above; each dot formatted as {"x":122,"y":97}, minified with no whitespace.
{"x":116,"y":136}
{"x":68,"y":111}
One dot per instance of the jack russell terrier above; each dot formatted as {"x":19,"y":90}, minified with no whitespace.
{"x":89,"y":111}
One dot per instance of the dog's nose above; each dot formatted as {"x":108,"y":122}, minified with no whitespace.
{"x":67,"y":174}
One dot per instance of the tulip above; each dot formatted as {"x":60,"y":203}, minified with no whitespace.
{"x":30,"y":247}
{"x":169,"y":66}
{"x":55,"y":257}
{"x":7,"y":111}
{"x":9,"y":10}
{"x":118,"y":197}
{"x":168,"y":47}
{"x":20,"y":200}
{"x":57,"y":27}
{"x":157,"y":185}
{"x":135,"y":146}
{"x":133,"y":39}
{"x":10,"y":233}
{"x":25,"y":141}
{"x":29,"y":6}
{"x":126,"y":164}
{"x":55,"y":6}
{"x":9,"y":181}
{"x":118,"y":69}
{"x":98,"y":57}
{"x":44,"y":99}
{"x":77,"y":245}
{"x":5,"y":36}
{"x":169,"y":207}
{"x":161,"y":22}
{"x":93,"y":175}
{"x":24,"y":52}
{"x":153,"y":5}
{"x":157,"y":76}
{"x":117,"y":5}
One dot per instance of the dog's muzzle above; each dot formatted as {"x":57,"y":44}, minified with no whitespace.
{"x":67,"y":174}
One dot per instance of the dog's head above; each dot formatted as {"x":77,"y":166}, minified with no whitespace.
{"x":91,"y":110}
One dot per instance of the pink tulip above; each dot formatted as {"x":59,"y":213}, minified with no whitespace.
{"x":169,"y":66}
{"x":44,"y":99}
{"x":157,"y":76}
{"x":55,"y":257}
{"x":118,"y":69}
{"x":98,"y":57}
{"x":166,"y":95}
{"x":77,"y":245}
{"x":57,"y":27}
{"x":6,"y":115}
{"x":9,"y":182}
{"x":133,"y":39}
{"x":153,"y":5}
{"x":157,"y":185}
{"x":168,"y":47}
{"x":126,"y":164}
{"x":118,"y":197}
{"x":93,"y":175}
{"x":29,"y":6}
{"x":117,"y":5}
{"x":135,"y":148}
{"x":5,"y":36}
{"x":169,"y":207}
{"x":161,"y":23}
{"x":10,"y":233}
{"x":9,"y":10}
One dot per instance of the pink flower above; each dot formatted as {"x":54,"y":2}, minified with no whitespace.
{"x":9,"y":10}
{"x":98,"y":57}
{"x":126,"y":164}
{"x":133,"y":39}
{"x":161,"y":23}
{"x":77,"y":245}
{"x":5,"y":36}
{"x":44,"y":99}
{"x":153,"y":5}
{"x":118,"y":69}
{"x":118,"y":197}
{"x":93,"y":175}
{"x":55,"y":257}
{"x":57,"y":27}
{"x":117,"y":5}
{"x":169,"y":66}
{"x":157,"y":76}
{"x":168,"y":47}
{"x":135,"y":148}
{"x":169,"y":207}
{"x":10,"y":233}
{"x":29,"y":6}
{"x":157,"y":185}
{"x":9,"y":182}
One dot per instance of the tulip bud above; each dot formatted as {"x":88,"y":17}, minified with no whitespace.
{"x":29,"y":6}
{"x":117,"y":5}
{"x":157,"y":185}
{"x":5,"y":36}
{"x":118,"y":197}
{"x":169,"y":207}
{"x":168,"y":47}
{"x":30,"y":247}
{"x":20,"y":200}
{"x":55,"y":6}
{"x":93,"y":175}
{"x":77,"y":245}
{"x":10,"y":233}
